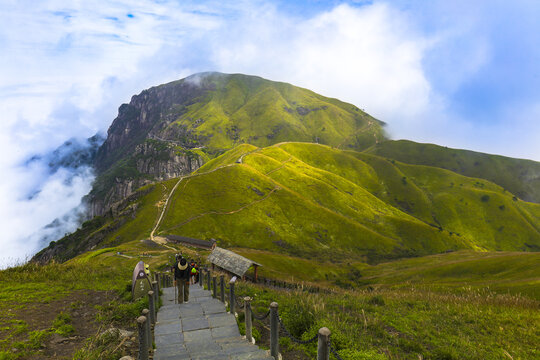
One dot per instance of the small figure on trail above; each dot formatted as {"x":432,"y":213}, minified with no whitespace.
{"x":181,"y":279}
{"x":194,"y":272}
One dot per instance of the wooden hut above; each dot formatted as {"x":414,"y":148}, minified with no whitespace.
{"x":231,"y":262}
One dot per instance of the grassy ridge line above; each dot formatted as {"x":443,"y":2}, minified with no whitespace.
{"x":348,"y":216}
{"x":520,"y":177}
{"x":424,"y":195}
{"x":327,"y":199}
{"x":313,"y":204}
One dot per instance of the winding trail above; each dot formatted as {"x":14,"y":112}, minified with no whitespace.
{"x":159,"y":240}
{"x":361,"y":130}
{"x":225,"y":212}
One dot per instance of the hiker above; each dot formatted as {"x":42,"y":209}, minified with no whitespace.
{"x":181,"y":279}
{"x":177,"y":258}
{"x":194,"y":272}
{"x":198,"y":273}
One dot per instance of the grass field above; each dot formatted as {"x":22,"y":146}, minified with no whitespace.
{"x":462,"y":305}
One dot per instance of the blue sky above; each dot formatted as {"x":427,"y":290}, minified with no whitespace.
{"x":457,"y":73}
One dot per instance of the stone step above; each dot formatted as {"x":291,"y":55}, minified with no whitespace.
{"x":200,"y":329}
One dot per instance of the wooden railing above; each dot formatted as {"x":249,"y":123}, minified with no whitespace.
{"x":324,"y":347}
{"x":226,"y":293}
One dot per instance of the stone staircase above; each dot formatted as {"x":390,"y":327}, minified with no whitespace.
{"x":199,"y":330}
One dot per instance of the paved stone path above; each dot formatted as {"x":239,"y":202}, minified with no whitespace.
{"x":200,"y":330}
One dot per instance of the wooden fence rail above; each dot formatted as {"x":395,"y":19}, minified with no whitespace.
{"x":324,"y":347}
{"x":147,"y":319}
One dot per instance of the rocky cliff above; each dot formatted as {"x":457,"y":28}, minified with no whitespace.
{"x":136,"y":151}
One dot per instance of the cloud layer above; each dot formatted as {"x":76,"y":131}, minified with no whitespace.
{"x":454,"y":73}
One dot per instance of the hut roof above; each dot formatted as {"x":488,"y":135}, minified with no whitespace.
{"x":230,"y":261}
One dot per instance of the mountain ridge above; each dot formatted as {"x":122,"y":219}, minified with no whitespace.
{"x":305,"y":200}
{"x":186,"y":122}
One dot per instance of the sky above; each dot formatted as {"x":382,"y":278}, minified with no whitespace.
{"x":462,"y":74}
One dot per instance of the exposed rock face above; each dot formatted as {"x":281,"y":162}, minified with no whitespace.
{"x":165,"y":164}
{"x":152,"y":161}
{"x":141,"y":148}
{"x":144,"y":117}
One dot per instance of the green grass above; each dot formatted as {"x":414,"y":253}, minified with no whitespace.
{"x":460,"y":305}
{"x":514,"y":273}
{"x":248,"y":109}
{"x":520,"y":177}
{"x":32,"y":285}
{"x":405,"y":324}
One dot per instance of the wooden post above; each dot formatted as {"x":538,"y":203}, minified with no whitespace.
{"x":247,"y":312}
{"x":232,"y":301}
{"x":156,"y":278}
{"x":274,"y":330}
{"x":148,"y":332}
{"x":156,"y":293}
{"x":222,"y":288}
{"x":255,"y":267}
{"x":323,"y":349}
{"x":143,"y":346}
{"x":214,"y":287}
{"x":152,"y":307}
{"x":201,"y":276}
{"x":208,"y":280}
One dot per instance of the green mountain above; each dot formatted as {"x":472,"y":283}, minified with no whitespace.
{"x":172,"y":129}
{"x":314,"y":201}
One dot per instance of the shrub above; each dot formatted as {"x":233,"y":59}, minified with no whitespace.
{"x":298,"y":318}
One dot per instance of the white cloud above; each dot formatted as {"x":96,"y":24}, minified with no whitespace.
{"x":370,"y":56}
{"x":71,"y":64}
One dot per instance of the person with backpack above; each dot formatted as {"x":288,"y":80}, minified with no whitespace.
{"x":181,"y":279}
{"x":194,"y":272}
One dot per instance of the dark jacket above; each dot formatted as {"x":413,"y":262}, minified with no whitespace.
{"x":181,"y":274}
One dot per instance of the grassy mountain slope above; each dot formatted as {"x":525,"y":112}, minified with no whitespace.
{"x":520,"y":177}
{"x":306,"y":199}
{"x":313,"y":201}
{"x":248,"y":109}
